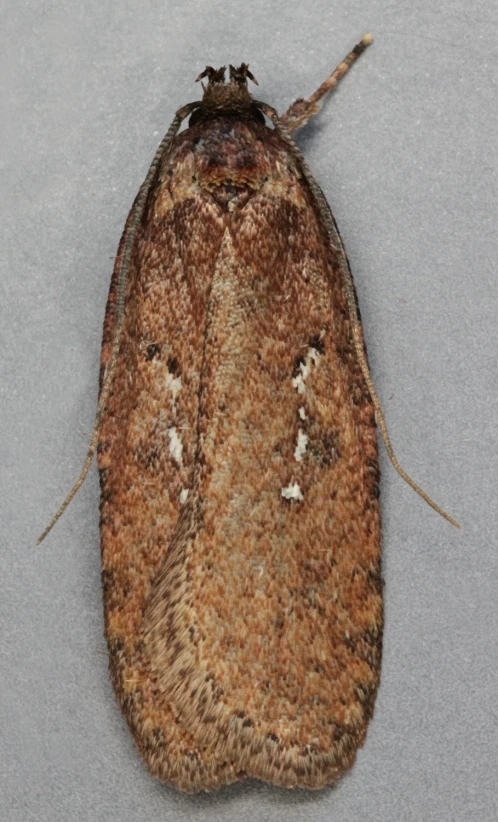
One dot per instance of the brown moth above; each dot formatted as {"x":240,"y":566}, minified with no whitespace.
{"x":237,"y":450}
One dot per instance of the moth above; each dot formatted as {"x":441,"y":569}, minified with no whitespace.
{"x":237,"y":450}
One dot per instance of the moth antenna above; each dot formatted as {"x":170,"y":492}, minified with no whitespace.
{"x":136,"y":216}
{"x":301,"y":110}
{"x":336,"y":241}
{"x":341,"y":69}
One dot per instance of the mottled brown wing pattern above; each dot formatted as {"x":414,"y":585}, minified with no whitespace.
{"x":238,"y":458}
{"x":154,"y":391}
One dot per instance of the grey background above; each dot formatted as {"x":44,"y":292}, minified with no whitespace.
{"x":407,"y":154}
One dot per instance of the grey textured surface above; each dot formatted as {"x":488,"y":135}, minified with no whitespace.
{"x":407,"y":154}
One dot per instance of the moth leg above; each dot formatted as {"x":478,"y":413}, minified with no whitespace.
{"x":301,"y":110}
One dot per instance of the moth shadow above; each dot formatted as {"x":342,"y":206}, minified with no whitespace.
{"x":229,"y":794}
{"x":309,"y":135}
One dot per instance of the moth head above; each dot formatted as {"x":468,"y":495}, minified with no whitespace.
{"x":220,"y":96}
{"x":213,"y":75}
{"x":240,"y":75}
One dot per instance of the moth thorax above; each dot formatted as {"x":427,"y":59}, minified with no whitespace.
{"x":226,"y":97}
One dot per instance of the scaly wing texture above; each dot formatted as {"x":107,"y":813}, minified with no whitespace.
{"x":238,"y":456}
